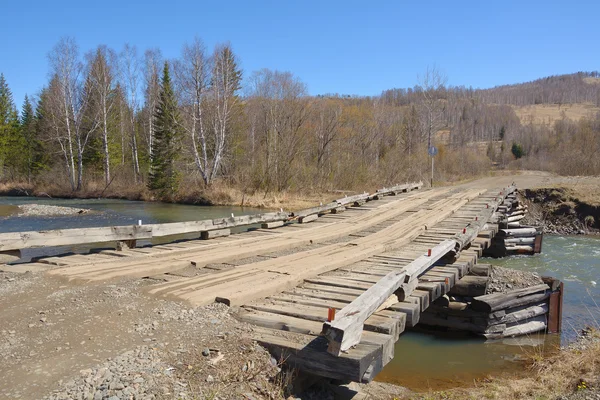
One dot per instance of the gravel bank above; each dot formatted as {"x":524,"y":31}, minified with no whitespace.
{"x":41,"y":210}
{"x":503,"y":279}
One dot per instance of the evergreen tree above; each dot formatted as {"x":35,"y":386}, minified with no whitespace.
{"x":9,"y":130}
{"x":517,"y":150}
{"x":163,"y":175}
{"x":34,"y":159}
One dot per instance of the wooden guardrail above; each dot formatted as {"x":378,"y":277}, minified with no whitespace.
{"x":346,"y":329}
{"x":473,"y":228}
{"x":344,"y":201}
{"x":12,"y":242}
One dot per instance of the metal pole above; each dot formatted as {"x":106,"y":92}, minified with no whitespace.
{"x":432,"y":171}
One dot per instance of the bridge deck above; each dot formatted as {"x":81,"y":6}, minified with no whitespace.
{"x":286,"y":279}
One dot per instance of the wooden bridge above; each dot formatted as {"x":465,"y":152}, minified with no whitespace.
{"x":331,"y":296}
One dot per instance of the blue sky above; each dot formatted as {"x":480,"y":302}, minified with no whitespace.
{"x":347,"y":47}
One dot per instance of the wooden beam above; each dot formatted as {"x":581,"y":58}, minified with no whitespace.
{"x":345,"y":331}
{"x":24,"y":240}
{"x":205,"y":235}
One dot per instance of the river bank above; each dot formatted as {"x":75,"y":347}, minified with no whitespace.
{"x":564,"y":209}
{"x":217,"y":195}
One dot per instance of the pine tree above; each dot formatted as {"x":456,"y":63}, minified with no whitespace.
{"x":34,"y":158}
{"x":167,"y":136}
{"x":9,"y":129}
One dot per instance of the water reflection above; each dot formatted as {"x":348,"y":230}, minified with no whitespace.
{"x":426,"y":361}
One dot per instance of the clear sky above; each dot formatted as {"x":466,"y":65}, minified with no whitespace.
{"x":346,"y":47}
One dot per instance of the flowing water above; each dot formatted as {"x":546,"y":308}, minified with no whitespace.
{"x":426,"y":361}
{"x":104,"y":212}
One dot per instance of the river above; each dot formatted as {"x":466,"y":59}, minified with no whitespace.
{"x":425,"y":360}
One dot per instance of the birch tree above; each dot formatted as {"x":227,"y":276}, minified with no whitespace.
{"x":131,"y":69}
{"x":193,"y":81}
{"x":152,"y":66}
{"x":224,"y":84}
{"x":102,"y":85}
{"x":72,"y":97}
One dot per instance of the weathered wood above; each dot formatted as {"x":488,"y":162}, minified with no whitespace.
{"x":411,"y":309}
{"x":481,"y":270}
{"x":471,"y":231}
{"x":514,"y":315}
{"x":308,"y":218}
{"x":520,"y":249}
{"x":316,"y":210}
{"x":527,"y":327}
{"x":344,"y":332}
{"x":308,"y":353}
{"x":307,"y":327}
{"x":178,"y":228}
{"x":432,"y":319}
{"x":272,"y":225}
{"x":519,"y":240}
{"x":470,"y":286}
{"x":205,"y":235}
{"x":24,"y":240}
{"x":497,"y":301}
{"x":520,"y":232}
{"x":514,"y":218}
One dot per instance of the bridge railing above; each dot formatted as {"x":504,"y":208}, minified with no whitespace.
{"x":11,"y":243}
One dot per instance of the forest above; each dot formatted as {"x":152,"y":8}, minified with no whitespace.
{"x":132,"y":124}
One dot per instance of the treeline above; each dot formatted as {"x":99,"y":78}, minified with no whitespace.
{"x":121,"y":121}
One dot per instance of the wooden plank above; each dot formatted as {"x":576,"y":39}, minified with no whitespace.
{"x":470,"y":286}
{"x":309,"y":353}
{"x":205,"y":235}
{"x":177,"y":228}
{"x":411,"y":309}
{"x":272,"y":225}
{"x":298,"y":325}
{"x":345,"y":331}
{"x":308,"y":218}
{"x":24,"y":240}
{"x":497,"y":301}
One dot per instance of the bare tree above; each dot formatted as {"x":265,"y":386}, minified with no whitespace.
{"x":131,"y":70}
{"x":327,"y":129}
{"x":102,"y":65}
{"x":282,"y":109}
{"x":192,"y":74}
{"x":432,"y":85}
{"x":73,"y":97}
{"x":224,"y":84}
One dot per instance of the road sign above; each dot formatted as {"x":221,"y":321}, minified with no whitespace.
{"x":432,"y":151}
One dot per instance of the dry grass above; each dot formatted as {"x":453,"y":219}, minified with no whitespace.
{"x":565,"y":373}
{"x":586,"y":189}
{"x":592,"y":81}
{"x":549,"y":113}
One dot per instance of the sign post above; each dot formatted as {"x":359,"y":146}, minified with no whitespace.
{"x":432,"y":151}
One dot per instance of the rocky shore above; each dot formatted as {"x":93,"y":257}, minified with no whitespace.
{"x":560,"y":211}
{"x":43,"y":210}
